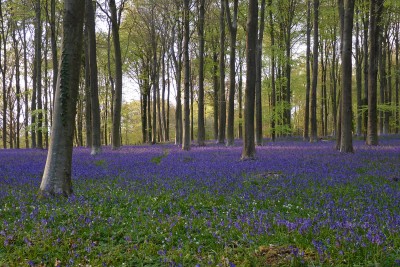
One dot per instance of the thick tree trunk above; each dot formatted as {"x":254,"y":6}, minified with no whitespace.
{"x":116,"y":126}
{"x":376,"y":9}
{"x":57,"y":173}
{"x":222,"y":98}
{"x":201,"y":132}
{"x":313,"y":115}
{"x":94,"y":87}
{"x":186,"y":118}
{"x":249,"y":150}
{"x":346,"y":144}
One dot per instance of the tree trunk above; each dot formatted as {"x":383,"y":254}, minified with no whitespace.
{"x":308,"y":74}
{"x":88,"y":106}
{"x":57,"y":173}
{"x":258,"y":101}
{"x":3,"y":69}
{"x":397,"y":77}
{"x":366,"y":75}
{"x":346,"y":144}
{"x":376,"y":9}
{"x":94,"y":87}
{"x":216,"y":94}
{"x":17,"y":84}
{"x":201,"y":132}
{"x":222,"y":98}
{"x":38,"y":56}
{"x":116,"y":126}
{"x":232,"y":26}
{"x":358,"y":62}
{"x":249,"y":150}
{"x":54,"y":53}
{"x":240,"y":97}
{"x":186,"y":118}
{"x":26,"y":101}
{"x":313,"y":117}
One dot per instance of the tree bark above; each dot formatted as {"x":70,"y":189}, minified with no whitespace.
{"x":201,"y":132}
{"x":38,"y":56}
{"x":259,"y":125}
{"x":313,"y":115}
{"x":346,"y":144}
{"x":376,"y":9}
{"x":3,"y":69}
{"x":222,"y":98}
{"x":116,"y":126}
{"x":94,"y":87}
{"x":57,"y":173}
{"x":216,"y":94}
{"x":232,"y":26}
{"x":186,"y":118}
{"x":308,"y":74}
{"x":249,"y":150}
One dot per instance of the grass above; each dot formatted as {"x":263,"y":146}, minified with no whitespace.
{"x":260,"y":218}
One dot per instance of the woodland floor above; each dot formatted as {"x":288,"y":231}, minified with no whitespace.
{"x":297,"y":204}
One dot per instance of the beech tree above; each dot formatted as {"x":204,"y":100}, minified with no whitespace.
{"x":249,"y":150}
{"x":376,"y":9}
{"x":346,"y":141}
{"x":94,"y":94}
{"x":56,"y":178}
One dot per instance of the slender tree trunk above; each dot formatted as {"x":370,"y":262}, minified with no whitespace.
{"x":149,"y":123}
{"x":313,"y":117}
{"x":376,"y":9}
{"x":186,"y":118}
{"x":54,"y":53}
{"x":382,"y":82}
{"x":222,"y":98}
{"x":397,"y":77}
{"x":163,"y":119}
{"x":346,"y":144}
{"x":3,"y":68}
{"x":94,"y":84}
{"x":249,"y":150}
{"x":116,"y":126}
{"x":154,"y":78}
{"x":38,"y":56}
{"x":88,"y":103}
{"x":216,"y":94}
{"x":17,"y":85}
{"x":232,"y":27}
{"x":366,"y":70}
{"x":201,"y":132}
{"x":26,"y":102}
{"x":57,"y":173}
{"x":240,"y":98}
{"x":258,"y":107}
{"x":358,"y":62}
{"x":168,"y":104}
{"x":308,"y":74}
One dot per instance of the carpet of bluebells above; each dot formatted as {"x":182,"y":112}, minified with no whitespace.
{"x":297,"y":204}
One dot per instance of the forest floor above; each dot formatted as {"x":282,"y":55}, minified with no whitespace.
{"x":297,"y":204}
